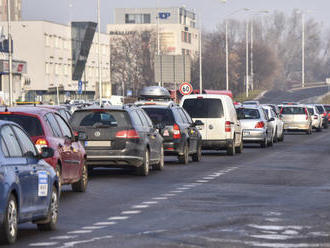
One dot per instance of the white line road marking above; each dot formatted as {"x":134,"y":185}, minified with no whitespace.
{"x":140,"y":206}
{"x":208,"y":178}
{"x":64,"y":237}
{"x":150,"y":202}
{"x":160,"y":198}
{"x":168,"y":195}
{"x":278,"y":228}
{"x":183,"y":188}
{"x":93,"y":227}
{"x":105,"y":223}
{"x":131,"y":212}
{"x":118,"y":218}
{"x":202,"y":181}
{"x":74,"y":243}
{"x":272,"y":236}
{"x":176,"y":191}
{"x":155,"y":231}
{"x":80,"y":231}
{"x":43,"y":244}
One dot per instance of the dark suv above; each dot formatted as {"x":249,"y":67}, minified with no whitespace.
{"x":120,"y":137}
{"x":181,"y":137}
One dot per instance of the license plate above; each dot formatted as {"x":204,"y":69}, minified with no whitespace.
{"x":97,"y":143}
{"x":246,"y":133}
{"x":166,"y":133}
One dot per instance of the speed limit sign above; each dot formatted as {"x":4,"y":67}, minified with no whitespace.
{"x":185,"y":88}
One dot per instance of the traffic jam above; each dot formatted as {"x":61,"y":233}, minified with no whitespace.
{"x":44,"y":147}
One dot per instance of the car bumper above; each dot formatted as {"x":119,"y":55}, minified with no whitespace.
{"x":173,"y":148}
{"x":215,"y":144}
{"x":296,"y":126}
{"x":253,"y":135}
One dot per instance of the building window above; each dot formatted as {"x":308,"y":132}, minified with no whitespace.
{"x":186,"y":37}
{"x":137,"y":18}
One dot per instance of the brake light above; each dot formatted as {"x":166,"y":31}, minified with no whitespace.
{"x":176,"y":132}
{"x":260,"y":124}
{"x":40,"y":143}
{"x":5,"y":113}
{"x":281,"y":110}
{"x":227,"y":126}
{"x":127,"y":134}
{"x":324,"y":114}
{"x":306,"y":112}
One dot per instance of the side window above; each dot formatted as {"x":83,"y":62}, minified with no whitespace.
{"x":64,"y":126}
{"x":50,"y":119}
{"x":143,"y":118}
{"x":11,"y":142}
{"x":4,"y":148}
{"x":147,"y":118}
{"x":187,"y":116}
{"x":177,"y":116}
{"x":136,"y":119}
{"x":183,"y":116}
{"x":26,"y":144}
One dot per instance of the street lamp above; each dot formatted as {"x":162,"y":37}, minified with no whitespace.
{"x":10,"y":55}
{"x":200,"y":55}
{"x":99,"y":50}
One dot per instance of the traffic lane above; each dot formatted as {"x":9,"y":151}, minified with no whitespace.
{"x":265,"y":202}
{"x":111,"y":191}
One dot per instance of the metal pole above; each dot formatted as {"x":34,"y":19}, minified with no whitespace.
{"x":57,"y":95}
{"x":251,"y":54}
{"x":303,"y":50}
{"x":227,"y":55}
{"x":99,"y":50}
{"x":200,"y":56}
{"x":10,"y":55}
{"x":158,"y":39}
{"x":247,"y":59}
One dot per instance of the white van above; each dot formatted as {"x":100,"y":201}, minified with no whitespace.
{"x":221,"y":129}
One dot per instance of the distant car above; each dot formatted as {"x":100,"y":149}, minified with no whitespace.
{"x":275,"y":108}
{"x":216,"y":119}
{"x":122,"y":137}
{"x":251,"y":103}
{"x":277,"y":123}
{"x":316,"y":117}
{"x":327,"y":108}
{"x":29,"y":188}
{"x":296,"y":118}
{"x":180,"y":133}
{"x":290,"y":103}
{"x":256,"y":125}
{"x":48,"y":128}
{"x":324,"y":115}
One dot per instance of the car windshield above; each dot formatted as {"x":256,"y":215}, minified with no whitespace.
{"x":160,"y":115}
{"x":97,"y":118}
{"x":320,"y":109}
{"x":30,"y":124}
{"x":293,"y":111}
{"x":203,"y":108}
{"x":247,"y":114}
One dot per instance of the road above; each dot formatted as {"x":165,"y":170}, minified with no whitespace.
{"x":274,"y":197}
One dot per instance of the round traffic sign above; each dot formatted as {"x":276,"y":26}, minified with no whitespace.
{"x":185,"y":88}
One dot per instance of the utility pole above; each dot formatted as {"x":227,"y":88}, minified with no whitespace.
{"x":10,"y":55}
{"x":99,"y":50}
{"x":247,"y":58}
{"x":200,"y":56}
{"x":251,"y":57}
{"x":227,"y":62}
{"x":303,"y":50}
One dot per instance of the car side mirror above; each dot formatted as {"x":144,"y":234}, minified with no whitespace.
{"x":198,"y":123}
{"x":46,"y":152}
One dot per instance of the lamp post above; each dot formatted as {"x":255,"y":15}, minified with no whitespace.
{"x":99,"y":50}
{"x":247,"y":59}
{"x":302,"y":50}
{"x":10,"y":55}
{"x":200,"y":56}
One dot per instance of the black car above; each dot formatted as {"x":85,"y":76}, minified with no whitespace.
{"x":181,"y":136}
{"x":119,"y":137}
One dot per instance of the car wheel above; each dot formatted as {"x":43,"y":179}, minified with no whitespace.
{"x":231,"y":148}
{"x":58,"y":172}
{"x":51,"y":221}
{"x":81,"y":185}
{"x":184,"y":158}
{"x":239,"y":149}
{"x":275,"y":137}
{"x":264,"y":143}
{"x":196,"y":157}
{"x":271,"y":142}
{"x":9,"y":229}
{"x":143,"y":170}
{"x":282,"y":136}
{"x":160,"y":165}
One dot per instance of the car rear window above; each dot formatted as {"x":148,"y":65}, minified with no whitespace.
{"x":327,"y":108}
{"x":99,"y":118}
{"x":311,"y":111}
{"x":320,"y":109}
{"x":203,"y":108}
{"x":247,"y":114}
{"x":160,"y":116}
{"x":30,"y":124}
{"x":293,"y":111}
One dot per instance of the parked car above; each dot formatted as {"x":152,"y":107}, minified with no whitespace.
{"x":122,"y":137}
{"x":48,"y":128}
{"x":180,"y":134}
{"x":216,"y":119}
{"x":277,"y":124}
{"x":29,"y":187}
{"x":324,"y":115}
{"x":316,"y":117}
{"x":256,"y":125}
{"x":296,"y":118}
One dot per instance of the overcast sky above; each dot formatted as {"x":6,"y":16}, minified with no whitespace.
{"x":212,"y":11}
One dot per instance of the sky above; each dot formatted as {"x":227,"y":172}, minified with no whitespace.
{"x":212,"y":11}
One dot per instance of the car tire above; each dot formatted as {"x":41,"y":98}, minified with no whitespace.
{"x":51,"y":221}
{"x":231,"y":150}
{"x":239,"y":149}
{"x":282,"y":137}
{"x":271,"y":143}
{"x":9,"y":228}
{"x":160,"y":165}
{"x":264,"y":143}
{"x":58,"y":172}
{"x":81,"y":185}
{"x":143,"y":170}
{"x":276,"y":137}
{"x":184,"y":158}
{"x":196,"y":157}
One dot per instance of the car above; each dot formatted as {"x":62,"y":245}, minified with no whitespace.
{"x":62,"y":110}
{"x":277,"y":123}
{"x":316,"y":117}
{"x":216,"y":119}
{"x":324,"y":115}
{"x":275,"y":108}
{"x":256,"y":125}
{"x":327,"y":108}
{"x":29,"y":187}
{"x":180,"y":133}
{"x":251,"y":103}
{"x":120,"y":137}
{"x":47,"y":128}
{"x":296,"y":118}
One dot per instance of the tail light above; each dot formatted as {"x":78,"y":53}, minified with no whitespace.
{"x":315,"y":117}
{"x":324,"y":114}
{"x":127,"y":134}
{"x":306,"y":112}
{"x":176,"y":132}
{"x":281,"y":111}
{"x":227,"y":126}
{"x":40,"y":143}
{"x":260,"y":124}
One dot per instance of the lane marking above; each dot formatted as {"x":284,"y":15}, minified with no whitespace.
{"x":118,"y":218}
{"x":140,"y":206}
{"x":65,"y":237}
{"x":176,"y":191}
{"x":93,"y":227}
{"x":202,"y":181}
{"x":43,"y":244}
{"x":80,"y":231}
{"x":183,"y":188}
{"x":168,"y":195}
{"x":208,"y":178}
{"x":105,"y":223}
{"x":160,"y":198}
{"x":150,"y":202}
{"x":131,"y":212}
{"x":74,"y":243}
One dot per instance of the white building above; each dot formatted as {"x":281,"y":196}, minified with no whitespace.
{"x":46,"y":47}
{"x":15,"y":7}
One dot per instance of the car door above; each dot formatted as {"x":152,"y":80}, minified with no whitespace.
{"x":40,"y":176}
{"x":25,"y":175}
{"x":191,"y":131}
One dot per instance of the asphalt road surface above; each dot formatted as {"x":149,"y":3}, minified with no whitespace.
{"x":273,"y":197}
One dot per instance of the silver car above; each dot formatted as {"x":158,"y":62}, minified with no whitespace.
{"x":277,"y":124}
{"x":255,"y":125}
{"x":296,"y":118}
{"x":316,"y":117}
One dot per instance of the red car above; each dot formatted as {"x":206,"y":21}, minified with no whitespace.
{"x":47,"y":128}
{"x":327,"y":108}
